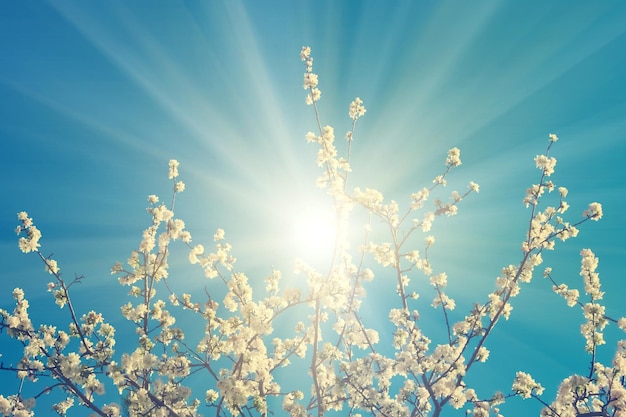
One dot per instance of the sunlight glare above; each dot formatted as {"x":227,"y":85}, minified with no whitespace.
{"x":313,"y":232}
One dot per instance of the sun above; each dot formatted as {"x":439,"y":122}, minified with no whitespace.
{"x":313,"y":232}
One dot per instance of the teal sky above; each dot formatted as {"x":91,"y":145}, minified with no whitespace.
{"x":96,"y":97}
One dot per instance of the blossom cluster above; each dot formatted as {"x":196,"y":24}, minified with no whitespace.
{"x":252,"y":328}
{"x":310,"y":78}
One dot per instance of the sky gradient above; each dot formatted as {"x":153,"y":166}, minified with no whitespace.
{"x":97,"y":97}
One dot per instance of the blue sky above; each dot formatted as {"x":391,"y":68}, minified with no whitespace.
{"x":96,"y":97}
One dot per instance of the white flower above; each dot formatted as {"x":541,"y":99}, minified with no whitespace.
{"x":195,"y":251}
{"x":439,"y":179}
{"x":594,"y":212}
{"x":219,"y":235}
{"x":356,"y":109}
{"x":440,"y":280}
{"x":305,"y":53}
{"x":482,"y":354}
{"x":52,"y":267}
{"x":524,"y":385}
{"x":310,"y":80}
{"x":211,"y":396}
{"x":313,"y":95}
{"x":454,"y":157}
{"x":311,"y":137}
{"x":546,"y":164}
{"x":62,"y":407}
{"x":173,"y":173}
{"x":31,"y":242}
